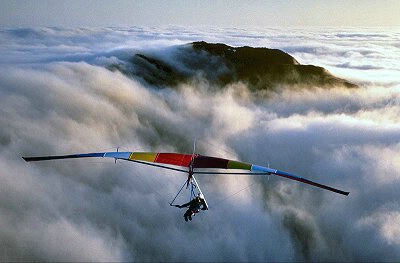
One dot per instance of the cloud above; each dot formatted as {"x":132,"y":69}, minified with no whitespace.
{"x":95,"y":210}
{"x":386,"y":223}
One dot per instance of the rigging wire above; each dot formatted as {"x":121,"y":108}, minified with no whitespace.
{"x":147,"y":185}
{"x":177,"y":194}
{"x":233,"y":194}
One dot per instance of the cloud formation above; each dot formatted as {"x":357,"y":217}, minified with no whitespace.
{"x":57,"y":97}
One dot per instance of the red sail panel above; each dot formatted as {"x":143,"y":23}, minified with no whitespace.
{"x":210,"y":162}
{"x":174,"y":159}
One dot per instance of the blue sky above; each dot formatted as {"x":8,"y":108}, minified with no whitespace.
{"x":215,"y":13}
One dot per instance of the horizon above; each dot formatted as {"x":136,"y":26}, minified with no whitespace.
{"x":215,"y":14}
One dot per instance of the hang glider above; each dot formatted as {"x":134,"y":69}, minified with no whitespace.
{"x":189,"y":163}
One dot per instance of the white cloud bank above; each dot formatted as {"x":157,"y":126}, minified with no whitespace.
{"x":56,"y":97}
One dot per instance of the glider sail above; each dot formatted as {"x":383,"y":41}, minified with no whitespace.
{"x":190,"y":161}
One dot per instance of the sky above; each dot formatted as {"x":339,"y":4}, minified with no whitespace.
{"x":57,"y":96}
{"x":215,"y":13}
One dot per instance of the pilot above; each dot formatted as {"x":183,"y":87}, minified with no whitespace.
{"x":194,"y":207}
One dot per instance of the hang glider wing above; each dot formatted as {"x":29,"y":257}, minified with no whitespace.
{"x":213,"y":162}
{"x":163,"y":158}
{"x":185,"y":160}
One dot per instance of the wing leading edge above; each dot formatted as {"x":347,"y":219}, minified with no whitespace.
{"x":184,"y":160}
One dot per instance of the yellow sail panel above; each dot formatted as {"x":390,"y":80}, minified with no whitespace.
{"x":143,"y":156}
{"x":238,"y":165}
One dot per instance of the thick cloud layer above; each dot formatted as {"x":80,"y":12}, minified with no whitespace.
{"x":57,"y":97}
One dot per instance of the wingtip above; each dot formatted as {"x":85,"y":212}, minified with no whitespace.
{"x":342,"y":192}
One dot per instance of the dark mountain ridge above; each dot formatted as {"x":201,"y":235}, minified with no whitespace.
{"x":220,"y":64}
